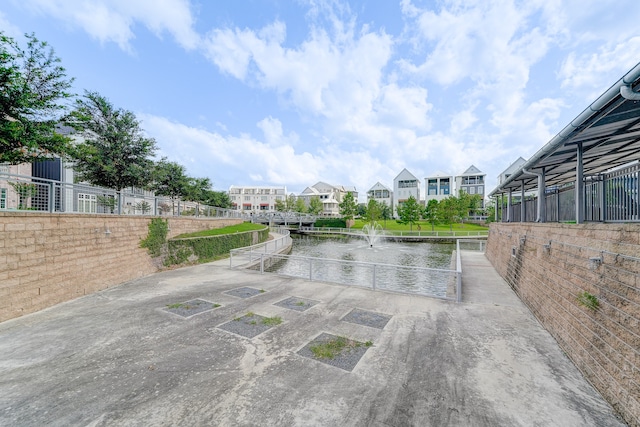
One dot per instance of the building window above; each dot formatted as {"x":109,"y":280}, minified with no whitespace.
{"x":247,"y":198}
{"x":407,"y":183}
{"x":472,"y":190}
{"x":4,"y":167}
{"x":87,"y":203}
{"x":3,"y":198}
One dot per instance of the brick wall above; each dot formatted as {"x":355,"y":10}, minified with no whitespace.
{"x":550,"y":265}
{"x":46,"y":259}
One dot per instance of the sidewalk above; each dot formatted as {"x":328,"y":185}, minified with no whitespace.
{"x":119,"y":357}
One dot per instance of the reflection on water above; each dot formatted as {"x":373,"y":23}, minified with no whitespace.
{"x":430,"y":255}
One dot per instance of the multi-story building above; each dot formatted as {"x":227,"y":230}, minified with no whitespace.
{"x":513,"y":167}
{"x":381,"y":194}
{"x":405,"y":185}
{"x":472,"y":181}
{"x":330,"y":195}
{"x":438,"y":186}
{"x":256,"y":199}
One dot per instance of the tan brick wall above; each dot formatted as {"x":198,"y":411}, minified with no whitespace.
{"x":549,"y":265}
{"x":46,"y":259}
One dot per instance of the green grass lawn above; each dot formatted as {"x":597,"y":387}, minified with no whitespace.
{"x":392,"y":225}
{"x":239,"y":228}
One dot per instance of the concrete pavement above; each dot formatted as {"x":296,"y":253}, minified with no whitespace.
{"x":119,"y":357}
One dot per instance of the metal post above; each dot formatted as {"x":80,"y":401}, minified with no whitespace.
{"x":261,"y":263}
{"x":52,"y":198}
{"x":310,"y":269}
{"x":374,"y":277}
{"x":579,"y":185}
{"x":523,"y":211}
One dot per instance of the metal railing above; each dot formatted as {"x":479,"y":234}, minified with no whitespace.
{"x":608,"y":197}
{"x":31,"y":194}
{"x":249,"y":255}
{"x":396,"y":233}
{"x":432,"y":282}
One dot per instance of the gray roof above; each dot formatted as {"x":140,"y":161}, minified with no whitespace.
{"x":609,"y":131}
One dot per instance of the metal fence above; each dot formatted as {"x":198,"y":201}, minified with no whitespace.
{"x":31,"y":194}
{"x":397,"y":233}
{"x":432,"y":282}
{"x":610,"y":197}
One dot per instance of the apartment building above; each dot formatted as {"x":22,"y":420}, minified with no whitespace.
{"x":405,"y":185}
{"x":330,"y":195}
{"x":256,"y":199}
{"x":438,"y":186}
{"x":472,"y":181}
{"x":381,"y":194}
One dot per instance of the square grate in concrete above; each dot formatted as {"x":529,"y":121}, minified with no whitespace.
{"x":334,"y":350}
{"x":189,"y":308}
{"x":245,"y":292}
{"x":250,"y":325}
{"x":367,"y":318}
{"x":296,"y":303}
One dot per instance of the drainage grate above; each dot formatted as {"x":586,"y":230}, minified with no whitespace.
{"x":189,"y":308}
{"x":297,"y":304}
{"x":250,"y":325}
{"x":341,"y":352}
{"x":245,"y":292}
{"x":367,"y":318}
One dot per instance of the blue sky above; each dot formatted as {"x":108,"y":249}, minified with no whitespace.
{"x":276,"y":92}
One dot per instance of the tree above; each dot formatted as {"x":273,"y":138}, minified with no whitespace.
{"x":169,"y":179}
{"x":431,"y":213}
{"x":447,"y":211}
{"x":300,"y":207}
{"x":348,"y":206}
{"x":373,"y":211}
{"x":216,"y":198}
{"x":315,"y":206}
{"x":115,"y":153}
{"x":32,"y":88}
{"x":290,"y":203}
{"x":281,"y":205}
{"x":25,"y":192}
{"x":385,"y":212}
{"x":409,"y":212}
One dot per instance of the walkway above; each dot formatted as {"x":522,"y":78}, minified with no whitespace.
{"x":118,"y":357}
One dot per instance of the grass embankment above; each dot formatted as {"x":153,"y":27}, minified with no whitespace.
{"x":392,"y":225}
{"x":238,"y":228}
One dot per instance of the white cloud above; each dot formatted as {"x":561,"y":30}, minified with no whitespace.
{"x":8,"y":28}
{"x":594,"y":72}
{"x":112,"y":20}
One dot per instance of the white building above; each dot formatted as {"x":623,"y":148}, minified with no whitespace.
{"x":438,"y":186}
{"x":472,"y":181}
{"x":256,"y":199}
{"x":405,"y":185}
{"x":330,"y":195}
{"x":513,"y":167}
{"x":381,"y":194}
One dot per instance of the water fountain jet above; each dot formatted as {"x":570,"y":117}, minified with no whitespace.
{"x":372,"y":232}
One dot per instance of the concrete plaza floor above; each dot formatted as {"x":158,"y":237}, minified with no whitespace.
{"x":119,"y":357}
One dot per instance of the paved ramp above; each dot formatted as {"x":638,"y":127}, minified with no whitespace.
{"x":123,"y":356}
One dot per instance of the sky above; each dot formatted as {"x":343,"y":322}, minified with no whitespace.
{"x":289,"y":93}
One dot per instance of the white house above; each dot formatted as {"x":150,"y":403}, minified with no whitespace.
{"x":513,"y":167}
{"x":438,"y":186}
{"x":381,"y":194}
{"x":330,"y":195}
{"x":472,"y":181}
{"x":405,"y":185}
{"x":256,"y":198}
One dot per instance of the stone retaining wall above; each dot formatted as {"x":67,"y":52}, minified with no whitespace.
{"x":550,"y":266}
{"x":46,"y":258}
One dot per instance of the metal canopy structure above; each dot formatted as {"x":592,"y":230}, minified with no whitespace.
{"x":604,"y":136}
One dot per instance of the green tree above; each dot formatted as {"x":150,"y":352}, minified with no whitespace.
{"x":169,"y":179}
{"x":315,"y":206}
{"x":348,"y":206}
{"x":300,"y":207}
{"x":115,"y":153}
{"x":373,"y":211}
{"x":290,"y":203}
{"x":431,"y":213}
{"x":447,"y":211}
{"x":409,"y":212}
{"x":33,"y":86}
{"x":385,"y":212}
{"x":281,"y":205}
{"x":216,"y":198}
